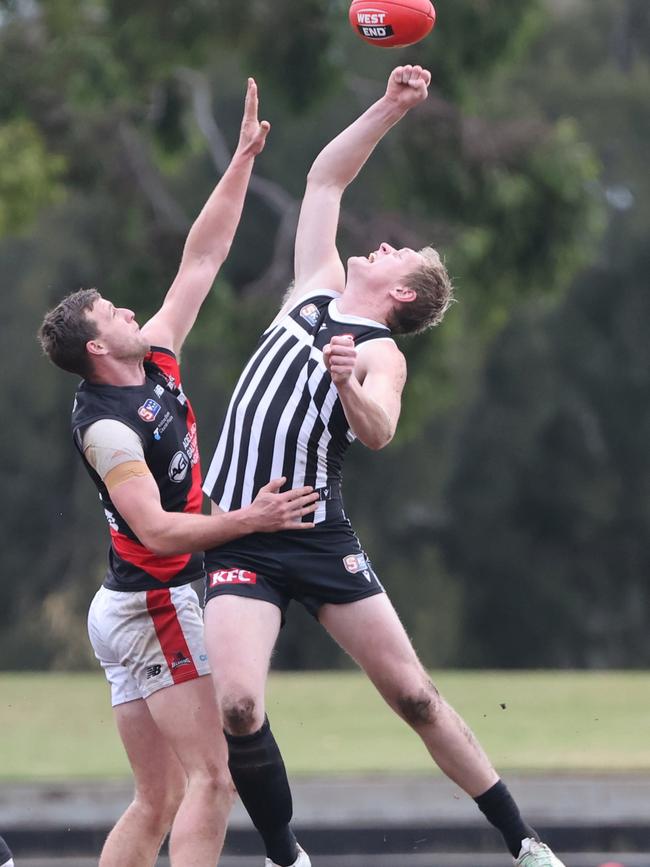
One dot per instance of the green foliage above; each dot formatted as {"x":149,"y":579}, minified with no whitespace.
{"x":548,"y":501}
{"x":494,"y":169}
{"x":29,"y":176}
{"x":474,"y":39}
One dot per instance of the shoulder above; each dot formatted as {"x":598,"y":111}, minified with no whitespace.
{"x":165,"y":360}
{"x":381,"y":355}
{"x":111,"y":433}
{"x":305,"y":304}
{"x":108,"y":443}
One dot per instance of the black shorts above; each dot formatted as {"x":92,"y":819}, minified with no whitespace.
{"x":314,"y":567}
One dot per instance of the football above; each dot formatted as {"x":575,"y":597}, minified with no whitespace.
{"x":391,"y":23}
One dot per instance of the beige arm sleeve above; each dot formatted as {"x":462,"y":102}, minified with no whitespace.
{"x":114,"y":451}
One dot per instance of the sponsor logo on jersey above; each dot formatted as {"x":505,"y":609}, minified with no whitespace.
{"x":178,"y":467}
{"x":159,"y":391}
{"x":179,"y":660}
{"x":110,"y":517}
{"x":355,"y":563}
{"x":162,"y":427}
{"x":149,"y":410}
{"x":310,"y":313}
{"x":153,"y":670}
{"x":191,"y":445}
{"x":232,"y":576}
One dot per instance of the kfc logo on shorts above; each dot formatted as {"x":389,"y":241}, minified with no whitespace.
{"x":355,"y":563}
{"x":232,"y":576}
{"x":310,"y":313}
{"x":178,"y":467}
{"x":149,"y":410}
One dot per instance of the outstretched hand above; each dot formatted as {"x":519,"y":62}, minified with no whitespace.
{"x":408,"y":86}
{"x":253,"y":133}
{"x":273,"y":511}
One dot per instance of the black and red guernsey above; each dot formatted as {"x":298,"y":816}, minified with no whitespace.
{"x":160,"y":413}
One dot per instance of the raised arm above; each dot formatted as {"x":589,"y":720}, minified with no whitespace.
{"x":317,"y":262}
{"x":210,"y":237}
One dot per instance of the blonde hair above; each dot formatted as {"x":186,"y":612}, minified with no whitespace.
{"x":434,"y":296}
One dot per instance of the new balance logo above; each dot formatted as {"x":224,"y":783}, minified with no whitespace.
{"x":153,"y":670}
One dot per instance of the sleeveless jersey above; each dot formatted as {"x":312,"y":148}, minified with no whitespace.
{"x":285,"y":417}
{"x":159,"y":412}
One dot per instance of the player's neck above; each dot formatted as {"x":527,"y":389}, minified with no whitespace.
{"x":358,"y":300}
{"x":118,"y":371}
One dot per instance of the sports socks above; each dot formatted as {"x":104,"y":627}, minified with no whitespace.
{"x":258,"y":772}
{"x":499,"y":808}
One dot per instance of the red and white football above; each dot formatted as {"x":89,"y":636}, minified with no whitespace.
{"x":390,"y":23}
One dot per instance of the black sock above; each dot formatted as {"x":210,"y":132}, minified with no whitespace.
{"x":499,"y":808}
{"x":260,"y":777}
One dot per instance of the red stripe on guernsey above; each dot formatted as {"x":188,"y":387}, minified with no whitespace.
{"x":161,"y":568}
{"x":167,"y":362}
{"x":170,"y":635}
{"x":194,"y":502}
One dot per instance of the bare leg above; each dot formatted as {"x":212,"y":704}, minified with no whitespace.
{"x":371,"y":632}
{"x":159,"y":788}
{"x":189,"y":719}
{"x":240,"y":635}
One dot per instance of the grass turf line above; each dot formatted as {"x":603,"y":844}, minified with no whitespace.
{"x":60,"y":726}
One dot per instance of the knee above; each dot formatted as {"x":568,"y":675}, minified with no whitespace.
{"x":215,"y":784}
{"x":420,"y":705}
{"x":158,"y":808}
{"x":241,"y":715}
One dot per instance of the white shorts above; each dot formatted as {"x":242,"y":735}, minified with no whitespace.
{"x":147,"y":640}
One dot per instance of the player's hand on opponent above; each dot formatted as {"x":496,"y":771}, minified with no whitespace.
{"x":273,"y":511}
{"x":253,"y":133}
{"x":340,"y":357}
{"x":408,"y":85}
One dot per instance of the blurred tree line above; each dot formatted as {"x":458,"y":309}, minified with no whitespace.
{"x":509,"y":519}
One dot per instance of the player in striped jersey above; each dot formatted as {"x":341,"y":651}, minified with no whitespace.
{"x":135,"y":430}
{"x":326,"y":372}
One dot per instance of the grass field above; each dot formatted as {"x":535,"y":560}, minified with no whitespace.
{"x":59,"y":726}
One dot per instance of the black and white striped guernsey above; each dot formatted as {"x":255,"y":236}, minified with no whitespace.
{"x":285,"y":417}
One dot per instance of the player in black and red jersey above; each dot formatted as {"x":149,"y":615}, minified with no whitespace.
{"x":136,"y":433}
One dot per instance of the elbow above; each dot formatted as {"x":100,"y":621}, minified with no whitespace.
{"x":323,"y":178}
{"x":377,"y":441}
{"x":158,"y":543}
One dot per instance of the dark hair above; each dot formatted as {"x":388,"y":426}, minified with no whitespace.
{"x":434,"y":295}
{"x":66,"y":329}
